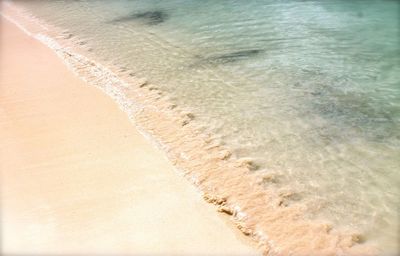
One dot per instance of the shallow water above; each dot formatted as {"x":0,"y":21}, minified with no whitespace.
{"x":309,"y":89}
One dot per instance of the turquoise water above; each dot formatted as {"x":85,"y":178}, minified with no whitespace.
{"x":309,"y":89}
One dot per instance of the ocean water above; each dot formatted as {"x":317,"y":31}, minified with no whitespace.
{"x":308,"y":89}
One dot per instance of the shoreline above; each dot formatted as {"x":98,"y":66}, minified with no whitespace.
{"x":258,"y":213}
{"x":77,"y":177}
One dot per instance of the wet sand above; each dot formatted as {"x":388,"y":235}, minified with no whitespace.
{"x":77,"y":177}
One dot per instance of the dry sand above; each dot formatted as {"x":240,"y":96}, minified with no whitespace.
{"x":77,"y":177}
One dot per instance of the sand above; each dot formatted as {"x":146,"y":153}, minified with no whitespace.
{"x":77,"y":177}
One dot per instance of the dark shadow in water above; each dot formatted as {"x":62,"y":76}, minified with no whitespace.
{"x":149,"y":17}
{"x":227,"y":57}
{"x":234,"y":56}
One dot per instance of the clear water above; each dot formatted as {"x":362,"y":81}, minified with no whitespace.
{"x":310,"y":89}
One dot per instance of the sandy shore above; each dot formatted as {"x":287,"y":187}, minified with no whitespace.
{"x":77,"y":177}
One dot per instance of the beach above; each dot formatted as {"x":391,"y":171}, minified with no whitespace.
{"x":143,"y":127}
{"x":77,"y":177}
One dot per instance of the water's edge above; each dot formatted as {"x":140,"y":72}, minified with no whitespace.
{"x":230,"y":183}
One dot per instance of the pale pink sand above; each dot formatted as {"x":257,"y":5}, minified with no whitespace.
{"x":77,"y":177}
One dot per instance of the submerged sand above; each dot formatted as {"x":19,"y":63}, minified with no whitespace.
{"x":77,"y":177}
